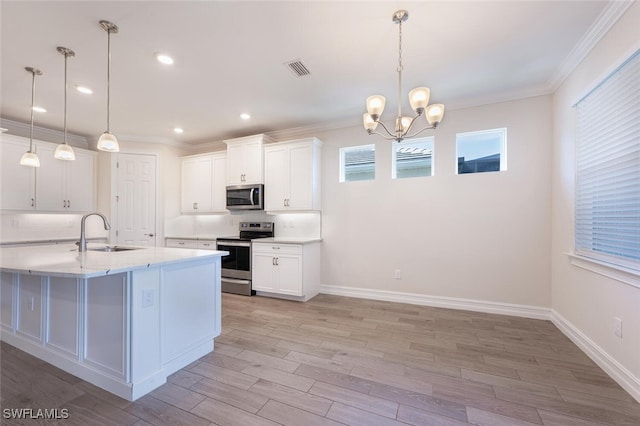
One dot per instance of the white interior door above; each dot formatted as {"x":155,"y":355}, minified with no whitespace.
{"x":136,"y":200}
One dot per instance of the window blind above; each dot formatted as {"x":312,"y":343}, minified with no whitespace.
{"x":607,"y":216}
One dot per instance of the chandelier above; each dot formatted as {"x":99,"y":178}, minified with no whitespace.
{"x":418,"y":99}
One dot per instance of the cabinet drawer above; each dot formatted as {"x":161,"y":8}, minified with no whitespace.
{"x":181,"y":243}
{"x":207,"y":244}
{"x":276,"y":248}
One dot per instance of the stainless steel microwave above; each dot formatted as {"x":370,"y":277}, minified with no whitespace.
{"x":245,"y":197}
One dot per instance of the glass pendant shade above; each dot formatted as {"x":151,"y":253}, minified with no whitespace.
{"x":435,"y":113}
{"x":108,"y":142}
{"x":405,"y":122}
{"x":369,"y":123}
{"x":419,"y":99}
{"x":375,"y":105}
{"x":30,"y":159}
{"x":65,"y":152}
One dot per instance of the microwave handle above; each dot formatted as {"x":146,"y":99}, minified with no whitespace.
{"x":251,"y":196}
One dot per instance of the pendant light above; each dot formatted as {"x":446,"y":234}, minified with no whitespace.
{"x":30,"y":158}
{"x":64,"y":150}
{"x":108,"y":141}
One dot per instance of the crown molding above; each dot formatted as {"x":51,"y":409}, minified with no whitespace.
{"x":612,"y":12}
{"x":22,"y":129}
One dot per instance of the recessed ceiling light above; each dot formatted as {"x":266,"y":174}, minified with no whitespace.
{"x":84,"y":90}
{"x":178,"y":130}
{"x":164,"y":58}
{"x":245,"y":116}
{"x":39,"y":109}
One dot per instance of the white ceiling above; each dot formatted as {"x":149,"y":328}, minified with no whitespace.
{"x":230,"y":58}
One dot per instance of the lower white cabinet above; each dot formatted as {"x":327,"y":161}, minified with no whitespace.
{"x":291,"y":270}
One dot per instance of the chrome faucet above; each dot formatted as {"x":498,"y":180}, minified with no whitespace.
{"x":82,"y":245}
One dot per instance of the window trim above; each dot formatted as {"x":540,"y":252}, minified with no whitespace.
{"x":503,"y":149}
{"x":343,"y":150}
{"x":394,"y":162}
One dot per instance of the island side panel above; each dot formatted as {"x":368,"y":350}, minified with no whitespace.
{"x":7,"y":301}
{"x":191,"y":311}
{"x":63,"y":315}
{"x":105,"y":325}
{"x":146,"y":367}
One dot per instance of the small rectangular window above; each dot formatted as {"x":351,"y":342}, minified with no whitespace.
{"x":357,"y":163}
{"x":483,"y":151}
{"x":412,"y":158}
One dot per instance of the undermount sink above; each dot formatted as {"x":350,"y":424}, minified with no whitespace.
{"x":110,"y":249}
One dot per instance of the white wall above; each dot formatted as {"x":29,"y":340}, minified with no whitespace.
{"x":586,"y":302}
{"x":484,"y":237}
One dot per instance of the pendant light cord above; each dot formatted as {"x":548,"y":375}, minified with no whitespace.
{"x":400,"y":69}
{"x":65,"y":99}
{"x":108,"y":78}
{"x":33,"y":96}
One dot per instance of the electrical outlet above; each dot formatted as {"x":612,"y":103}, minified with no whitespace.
{"x":397,"y":274}
{"x":617,"y":327}
{"x":147,"y":297}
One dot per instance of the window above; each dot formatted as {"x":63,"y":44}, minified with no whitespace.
{"x":607,"y":215}
{"x":357,"y":163}
{"x":412,"y":158}
{"x":483,"y":151}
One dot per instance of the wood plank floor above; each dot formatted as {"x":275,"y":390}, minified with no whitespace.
{"x":337,"y":361}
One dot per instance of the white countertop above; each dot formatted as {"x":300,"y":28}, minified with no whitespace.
{"x":288,"y":240}
{"x":64,"y":260}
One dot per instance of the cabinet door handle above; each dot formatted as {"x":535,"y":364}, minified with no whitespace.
{"x":275,"y":248}
{"x":33,"y":202}
{"x":273,"y":261}
{"x":277,"y":258}
{"x":69,"y":203}
{"x":151,"y":235}
{"x":195,"y":206}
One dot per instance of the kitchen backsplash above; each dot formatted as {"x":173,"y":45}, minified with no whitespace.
{"x":286,"y":225}
{"x":37,"y":226}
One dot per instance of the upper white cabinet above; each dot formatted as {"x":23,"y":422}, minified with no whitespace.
{"x":204,"y":183}
{"x":55,"y":186}
{"x":18,"y":182}
{"x":65,"y":185}
{"x":245,"y":160}
{"x":292,"y":175}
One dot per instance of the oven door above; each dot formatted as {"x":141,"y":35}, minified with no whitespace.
{"x":238,"y":263}
{"x":245,"y":197}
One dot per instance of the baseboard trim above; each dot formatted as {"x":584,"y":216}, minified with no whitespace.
{"x":527,"y":311}
{"x":613,"y":368}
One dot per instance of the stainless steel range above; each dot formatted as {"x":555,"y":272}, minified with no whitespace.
{"x":236,"y":267}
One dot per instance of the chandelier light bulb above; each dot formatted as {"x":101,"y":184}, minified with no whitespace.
{"x":375,"y":105}
{"x":30,"y":158}
{"x":419,"y":99}
{"x":108,"y":142}
{"x":435,"y":113}
{"x":369,"y":123}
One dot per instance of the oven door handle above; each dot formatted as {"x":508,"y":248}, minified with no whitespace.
{"x":235,"y":280}
{"x":233,"y":243}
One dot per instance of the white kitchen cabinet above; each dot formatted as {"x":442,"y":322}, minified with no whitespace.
{"x":292,"y":176}
{"x":181,"y":243}
{"x":65,"y":186}
{"x":18,"y":182}
{"x":289,"y":270}
{"x":204,"y":183}
{"x":245,"y":159}
{"x":55,"y":186}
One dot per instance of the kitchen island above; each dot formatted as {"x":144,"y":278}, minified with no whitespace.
{"x":122,"y":320}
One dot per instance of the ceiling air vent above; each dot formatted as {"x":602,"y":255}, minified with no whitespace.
{"x":298,"y":68}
